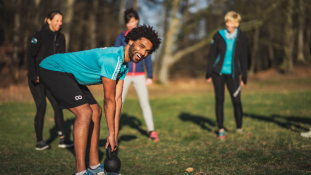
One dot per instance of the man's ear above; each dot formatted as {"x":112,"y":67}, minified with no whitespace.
{"x":131,"y":42}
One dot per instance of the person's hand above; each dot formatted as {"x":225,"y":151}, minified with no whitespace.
{"x":149,"y":81}
{"x":116,"y":141}
{"x":111,"y":142}
{"x":37,"y":81}
{"x":209,"y":80}
{"x":242,"y":83}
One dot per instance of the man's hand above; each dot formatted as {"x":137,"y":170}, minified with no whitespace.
{"x":242,"y":83}
{"x":149,"y":81}
{"x":209,"y":80}
{"x":111,"y":142}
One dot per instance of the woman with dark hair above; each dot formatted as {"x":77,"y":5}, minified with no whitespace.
{"x":136,"y":74}
{"x":227,"y":59}
{"x":44,"y":43}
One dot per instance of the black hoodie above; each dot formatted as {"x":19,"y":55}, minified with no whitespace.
{"x":43,"y":44}
{"x":218,"y":48}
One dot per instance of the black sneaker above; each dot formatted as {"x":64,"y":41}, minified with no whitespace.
{"x":41,"y":145}
{"x":64,"y":143}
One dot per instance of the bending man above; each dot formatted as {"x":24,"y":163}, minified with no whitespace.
{"x":66,"y":76}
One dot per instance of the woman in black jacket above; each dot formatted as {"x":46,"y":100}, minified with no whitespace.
{"x":227,"y":59}
{"x":44,"y":43}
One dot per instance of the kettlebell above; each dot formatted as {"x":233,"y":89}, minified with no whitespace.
{"x":112,"y":163}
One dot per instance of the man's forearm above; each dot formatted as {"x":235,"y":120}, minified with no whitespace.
{"x":110,"y":110}
{"x":117,"y":116}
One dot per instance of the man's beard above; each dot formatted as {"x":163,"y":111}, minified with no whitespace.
{"x":131,"y":52}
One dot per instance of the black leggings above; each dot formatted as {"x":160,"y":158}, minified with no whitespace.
{"x":234,"y":88}
{"x":39,"y":92}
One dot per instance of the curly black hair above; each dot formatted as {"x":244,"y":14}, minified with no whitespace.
{"x":144,"y":32}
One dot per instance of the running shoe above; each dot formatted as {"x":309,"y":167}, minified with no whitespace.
{"x":222,"y":135}
{"x":306,"y":134}
{"x":98,"y":171}
{"x":239,"y":131}
{"x":154,"y":136}
{"x":65,"y":143}
{"x":86,"y":173}
{"x":41,"y":145}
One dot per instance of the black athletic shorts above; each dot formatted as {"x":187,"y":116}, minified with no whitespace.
{"x":65,"y":89}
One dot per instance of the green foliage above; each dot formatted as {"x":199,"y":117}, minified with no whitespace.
{"x":271,"y":142}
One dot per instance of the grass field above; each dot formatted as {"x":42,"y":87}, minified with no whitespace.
{"x":271,"y":143}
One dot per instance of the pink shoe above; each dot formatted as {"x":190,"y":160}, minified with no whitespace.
{"x":154,"y":136}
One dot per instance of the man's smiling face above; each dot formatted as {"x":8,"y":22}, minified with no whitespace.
{"x":139,"y":49}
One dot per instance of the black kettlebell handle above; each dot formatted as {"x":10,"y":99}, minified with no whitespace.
{"x":110,"y":153}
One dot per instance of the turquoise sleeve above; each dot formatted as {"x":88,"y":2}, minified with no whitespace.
{"x":123,"y":73}
{"x":110,"y":68}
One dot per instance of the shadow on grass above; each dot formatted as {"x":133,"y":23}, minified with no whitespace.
{"x":287,"y":122}
{"x":198,"y":120}
{"x":133,"y":122}
{"x":102,"y":142}
{"x":54,"y":130}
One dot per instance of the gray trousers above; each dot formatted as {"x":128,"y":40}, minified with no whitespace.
{"x":139,"y":83}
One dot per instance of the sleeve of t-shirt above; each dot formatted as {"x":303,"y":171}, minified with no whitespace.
{"x":123,"y":73}
{"x":110,"y":68}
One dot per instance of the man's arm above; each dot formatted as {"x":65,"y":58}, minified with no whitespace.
{"x":110,"y":109}
{"x":119,"y":89}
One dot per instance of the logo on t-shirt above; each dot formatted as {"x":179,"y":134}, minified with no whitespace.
{"x":79,"y":97}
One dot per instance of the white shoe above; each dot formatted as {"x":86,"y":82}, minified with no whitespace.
{"x":306,"y":134}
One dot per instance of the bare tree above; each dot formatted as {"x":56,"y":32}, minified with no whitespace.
{"x":287,"y":63}
{"x":121,"y":13}
{"x":92,"y":25}
{"x":68,"y":16}
{"x":16,"y":38}
{"x":300,"y":56}
{"x":135,"y":4}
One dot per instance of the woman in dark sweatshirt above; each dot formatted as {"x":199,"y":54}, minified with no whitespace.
{"x":44,"y":43}
{"x":227,"y":59}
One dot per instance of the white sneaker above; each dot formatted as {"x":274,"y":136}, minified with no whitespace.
{"x":306,"y":134}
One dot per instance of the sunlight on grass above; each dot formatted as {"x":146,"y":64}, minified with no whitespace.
{"x":270,"y":144}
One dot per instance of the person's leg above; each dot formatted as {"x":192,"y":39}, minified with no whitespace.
{"x":94,"y":134}
{"x":126,"y":84}
{"x":58,"y":115}
{"x":83,"y":115}
{"x":139,"y":83}
{"x":234,"y":88}
{"x":219,"y":88}
{"x":37,"y":91}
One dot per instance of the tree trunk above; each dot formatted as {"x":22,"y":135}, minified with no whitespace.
{"x":16,"y":37}
{"x":107,"y":27}
{"x":164,"y":24}
{"x":169,"y":43}
{"x":135,"y":4}
{"x":287,"y":64}
{"x":121,"y":13}
{"x":164,"y":71}
{"x":26,"y":37}
{"x":68,"y":16}
{"x":92,"y":25}
{"x":36,"y":20}
{"x":270,"y":47}
{"x":300,"y":56}
{"x":254,"y":51}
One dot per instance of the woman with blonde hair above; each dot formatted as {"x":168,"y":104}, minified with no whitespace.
{"x":44,"y":43}
{"x":227,"y":59}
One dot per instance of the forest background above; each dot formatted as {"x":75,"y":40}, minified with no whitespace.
{"x":278,"y":31}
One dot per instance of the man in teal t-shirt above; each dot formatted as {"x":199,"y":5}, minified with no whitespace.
{"x":66,"y":76}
